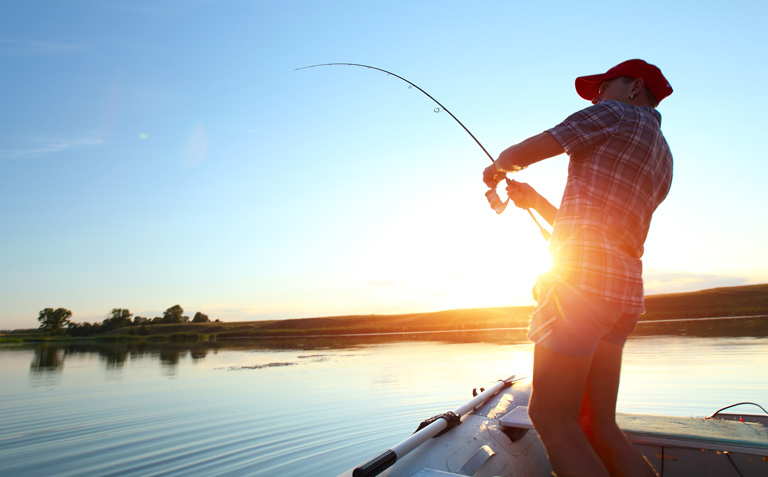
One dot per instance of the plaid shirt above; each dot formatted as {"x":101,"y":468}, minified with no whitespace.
{"x":620,"y":170}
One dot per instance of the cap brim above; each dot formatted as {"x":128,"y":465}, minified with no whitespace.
{"x":588,"y":86}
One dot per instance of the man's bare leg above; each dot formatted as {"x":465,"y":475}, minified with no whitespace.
{"x":598,"y":416}
{"x":559,"y":382}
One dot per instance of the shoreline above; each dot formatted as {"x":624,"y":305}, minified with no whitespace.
{"x":724,"y":308}
{"x":756,"y":325}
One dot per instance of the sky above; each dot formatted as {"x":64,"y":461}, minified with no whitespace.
{"x":155,"y":153}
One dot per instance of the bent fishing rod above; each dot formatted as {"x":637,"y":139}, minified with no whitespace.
{"x":491,"y":195}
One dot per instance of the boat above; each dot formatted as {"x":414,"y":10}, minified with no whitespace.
{"x":492,"y":436}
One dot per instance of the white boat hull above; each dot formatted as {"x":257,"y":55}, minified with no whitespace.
{"x":497,"y":439}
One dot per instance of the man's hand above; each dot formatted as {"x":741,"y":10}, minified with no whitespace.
{"x":522,"y":194}
{"x":492,"y":176}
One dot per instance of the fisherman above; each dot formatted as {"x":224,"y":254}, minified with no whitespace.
{"x":620,"y":170}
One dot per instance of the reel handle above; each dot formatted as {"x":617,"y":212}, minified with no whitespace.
{"x":495,"y":201}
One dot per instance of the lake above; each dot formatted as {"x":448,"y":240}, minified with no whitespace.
{"x":305,"y":406}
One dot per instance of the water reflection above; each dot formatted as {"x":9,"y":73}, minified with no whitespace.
{"x":50,"y":357}
{"x":756,"y":327}
{"x":294,"y":406}
{"x":170,"y":357}
{"x":112,"y":357}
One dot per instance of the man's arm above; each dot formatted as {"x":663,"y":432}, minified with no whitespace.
{"x":522,"y":155}
{"x":518,"y":157}
{"x":530,"y":151}
{"x":526,"y":197}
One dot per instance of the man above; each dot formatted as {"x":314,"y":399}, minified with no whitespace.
{"x":620,"y":170}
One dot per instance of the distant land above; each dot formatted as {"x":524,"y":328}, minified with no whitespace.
{"x":742,"y":301}
{"x":751,"y":300}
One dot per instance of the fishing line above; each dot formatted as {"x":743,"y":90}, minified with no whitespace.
{"x":440,"y":108}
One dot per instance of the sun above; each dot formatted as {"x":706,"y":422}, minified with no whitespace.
{"x":439,"y":262}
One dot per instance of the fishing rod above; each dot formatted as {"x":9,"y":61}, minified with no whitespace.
{"x":491,"y":195}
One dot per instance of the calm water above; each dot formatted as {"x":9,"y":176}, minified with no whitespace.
{"x":314,"y":407}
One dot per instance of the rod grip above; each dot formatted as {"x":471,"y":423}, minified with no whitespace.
{"x":376,"y":465}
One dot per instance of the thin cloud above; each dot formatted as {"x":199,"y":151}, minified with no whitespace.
{"x":18,"y":47}
{"x":47,"y":146}
{"x":661,"y":281}
{"x":381,"y":283}
{"x":150,"y":8}
{"x":136,"y":8}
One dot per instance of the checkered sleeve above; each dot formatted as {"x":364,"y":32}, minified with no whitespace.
{"x":589,"y":127}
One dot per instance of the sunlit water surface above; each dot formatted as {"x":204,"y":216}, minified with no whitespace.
{"x":304,"y":408}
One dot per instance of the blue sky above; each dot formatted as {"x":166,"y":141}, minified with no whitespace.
{"x":155,"y":153}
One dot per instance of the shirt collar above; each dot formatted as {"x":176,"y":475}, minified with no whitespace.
{"x":656,"y":115}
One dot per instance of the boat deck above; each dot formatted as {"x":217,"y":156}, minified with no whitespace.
{"x":687,"y":432}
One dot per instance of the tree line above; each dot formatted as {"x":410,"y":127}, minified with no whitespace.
{"x":59,"y":320}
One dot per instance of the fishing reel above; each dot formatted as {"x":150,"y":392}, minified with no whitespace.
{"x":495,"y":201}
{"x":499,"y":206}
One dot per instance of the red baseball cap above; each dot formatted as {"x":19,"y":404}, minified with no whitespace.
{"x":587,"y":86}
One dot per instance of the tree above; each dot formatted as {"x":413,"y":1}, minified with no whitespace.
{"x":118,"y":318}
{"x":140,"y":320}
{"x":174,"y":314}
{"x":54,"y":320}
{"x":84,"y":329}
{"x":201,"y":318}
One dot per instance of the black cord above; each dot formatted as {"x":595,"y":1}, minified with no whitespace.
{"x":734,"y":405}
{"x":734,"y":464}
{"x":661,"y":472}
{"x":728,"y":454}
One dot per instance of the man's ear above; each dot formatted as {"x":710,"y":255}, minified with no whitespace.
{"x":637,"y":86}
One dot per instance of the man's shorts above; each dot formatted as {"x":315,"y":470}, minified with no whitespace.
{"x":573,"y":322}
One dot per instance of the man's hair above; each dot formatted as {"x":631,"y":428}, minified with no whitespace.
{"x":649,"y":97}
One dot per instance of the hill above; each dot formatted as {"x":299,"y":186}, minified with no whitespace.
{"x":749,"y":300}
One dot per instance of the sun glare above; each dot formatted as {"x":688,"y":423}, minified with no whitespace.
{"x":462,"y":268}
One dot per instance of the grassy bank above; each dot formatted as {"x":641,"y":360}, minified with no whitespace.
{"x":717,"y":302}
